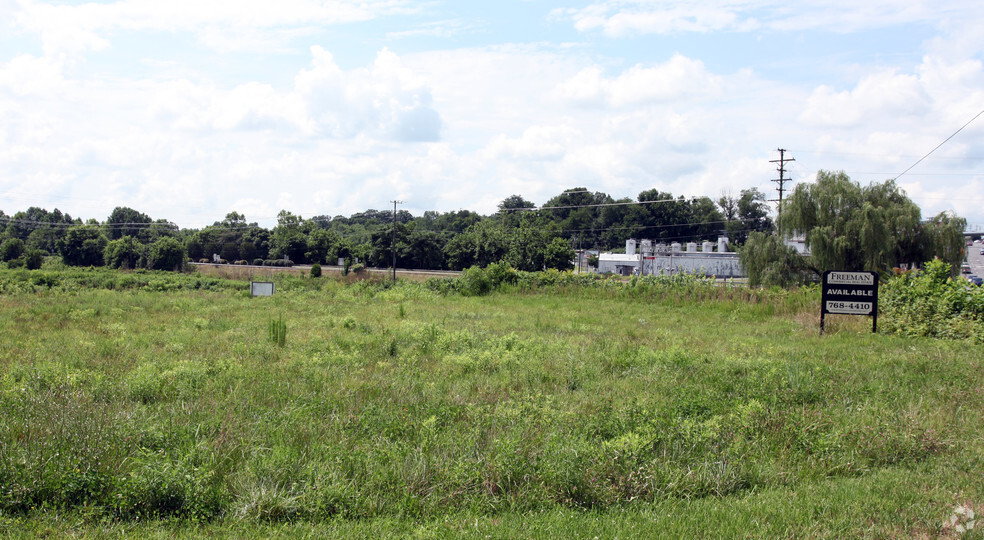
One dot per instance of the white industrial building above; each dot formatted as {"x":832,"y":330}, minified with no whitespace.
{"x":655,"y":259}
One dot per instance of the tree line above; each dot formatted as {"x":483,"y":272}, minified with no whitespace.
{"x":518,"y":233}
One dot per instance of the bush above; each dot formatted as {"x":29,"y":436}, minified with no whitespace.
{"x":315,"y":270}
{"x":83,"y":245}
{"x":11,"y":248}
{"x":257,"y":262}
{"x":241,"y":262}
{"x":474,"y":282}
{"x":166,"y":253}
{"x":33,"y":259}
{"x":931,"y":303}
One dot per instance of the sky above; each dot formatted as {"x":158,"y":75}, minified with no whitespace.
{"x":187,"y":111}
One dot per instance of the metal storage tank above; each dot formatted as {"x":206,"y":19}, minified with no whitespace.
{"x":675,"y":247}
{"x":630,"y":246}
{"x":707,"y":247}
{"x":722,"y":244}
{"x":647,"y":246}
{"x":691,"y":247}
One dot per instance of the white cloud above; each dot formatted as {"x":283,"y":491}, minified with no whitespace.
{"x":677,"y":79}
{"x":385,"y":100}
{"x":30,"y":75}
{"x":448,"y":129}
{"x":618,"y":18}
{"x":882,"y":94}
{"x":222,"y":24}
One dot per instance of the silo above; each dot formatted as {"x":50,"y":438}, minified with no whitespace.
{"x":630,"y":246}
{"x":722,"y":244}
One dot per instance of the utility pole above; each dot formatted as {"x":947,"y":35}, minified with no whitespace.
{"x":781,"y":181}
{"x":394,"y":238}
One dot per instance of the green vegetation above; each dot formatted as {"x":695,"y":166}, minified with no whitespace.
{"x":156,"y":404}
{"x":278,"y":331}
{"x":851,"y":227}
{"x":519,"y":234}
{"x":931,"y":303}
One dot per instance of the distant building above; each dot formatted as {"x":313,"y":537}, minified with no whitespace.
{"x":657,"y":259}
{"x":798,"y":242}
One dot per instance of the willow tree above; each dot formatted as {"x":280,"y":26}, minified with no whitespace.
{"x":856,"y":228}
{"x":942,"y":236}
{"x":861,"y":228}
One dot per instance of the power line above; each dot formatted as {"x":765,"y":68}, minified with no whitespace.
{"x":939,"y":145}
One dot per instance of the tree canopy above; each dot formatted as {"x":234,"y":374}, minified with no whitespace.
{"x":851,"y":227}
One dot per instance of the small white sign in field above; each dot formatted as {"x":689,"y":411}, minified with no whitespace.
{"x":261,"y":288}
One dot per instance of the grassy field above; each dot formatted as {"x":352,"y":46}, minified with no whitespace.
{"x":159,"y":405}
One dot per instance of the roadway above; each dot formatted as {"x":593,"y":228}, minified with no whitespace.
{"x":975,"y":259}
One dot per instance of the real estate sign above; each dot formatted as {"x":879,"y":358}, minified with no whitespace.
{"x":849,"y":293}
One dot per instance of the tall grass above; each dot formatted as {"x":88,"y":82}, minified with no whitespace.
{"x":399,"y":404}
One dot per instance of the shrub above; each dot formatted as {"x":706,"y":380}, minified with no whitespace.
{"x":33,"y":259}
{"x":257,"y":262}
{"x":474,"y":282}
{"x":11,"y":248}
{"x":931,"y":303}
{"x":241,"y":262}
{"x":315,"y":270}
{"x":167,"y":253}
{"x":83,"y":245}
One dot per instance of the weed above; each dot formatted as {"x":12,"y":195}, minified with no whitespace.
{"x":278,"y":331}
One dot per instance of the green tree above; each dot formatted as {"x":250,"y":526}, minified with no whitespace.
{"x":661,"y":217}
{"x":943,"y":237}
{"x":511,"y":209}
{"x":744,"y":214}
{"x":425,"y":250}
{"x":850,"y":227}
{"x":480,"y":245}
{"x":166,"y":254}
{"x":289,"y":237}
{"x":528,"y":243}
{"x":559,"y":254}
{"x":83,"y":245}
{"x":11,"y":248}
{"x":706,"y":219}
{"x":125,"y":252}
{"x":21,"y":224}
{"x":33,"y":259}
{"x":234,"y":220}
{"x":45,"y":239}
{"x":255,"y":244}
{"x":125,"y":221}
{"x":769,"y":262}
{"x":322,"y":246}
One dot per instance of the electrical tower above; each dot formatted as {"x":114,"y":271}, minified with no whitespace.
{"x":782,"y":179}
